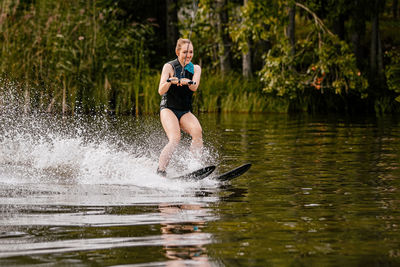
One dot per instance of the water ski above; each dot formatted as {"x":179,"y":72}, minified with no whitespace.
{"x":227,"y":176}
{"x":204,"y":172}
{"x":197,"y":175}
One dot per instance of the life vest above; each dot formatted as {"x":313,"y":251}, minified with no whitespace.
{"x":179,"y":97}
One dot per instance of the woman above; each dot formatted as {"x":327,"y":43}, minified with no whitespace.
{"x":176,"y":90}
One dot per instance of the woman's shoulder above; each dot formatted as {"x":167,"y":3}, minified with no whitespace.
{"x":167,"y":66}
{"x":196,"y":67}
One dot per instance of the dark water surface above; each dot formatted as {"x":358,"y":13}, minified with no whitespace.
{"x":323,"y":191}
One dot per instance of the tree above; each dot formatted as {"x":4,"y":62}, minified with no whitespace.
{"x":291,"y":27}
{"x":224,"y":44}
{"x":246,"y":54}
{"x":321,"y":61}
{"x":357,"y":21}
{"x":376,"y":55}
{"x":172,"y":31}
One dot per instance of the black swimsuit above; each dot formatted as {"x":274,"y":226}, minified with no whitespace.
{"x":179,"y":98}
{"x":178,"y":113}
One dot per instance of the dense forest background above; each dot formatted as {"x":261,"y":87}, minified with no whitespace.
{"x":317,"y":56}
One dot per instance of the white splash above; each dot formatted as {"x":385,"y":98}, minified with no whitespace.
{"x":38,"y":148}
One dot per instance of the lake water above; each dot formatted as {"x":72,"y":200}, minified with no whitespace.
{"x":322,"y":191}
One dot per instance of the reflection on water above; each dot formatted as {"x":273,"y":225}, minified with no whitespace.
{"x":174,"y":235}
{"x":49,"y":220}
{"x":82,"y":191}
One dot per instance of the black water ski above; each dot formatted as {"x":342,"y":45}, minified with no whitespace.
{"x":233,"y":173}
{"x":197,"y":175}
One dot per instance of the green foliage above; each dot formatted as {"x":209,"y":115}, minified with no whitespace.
{"x":77,"y":54}
{"x":257,"y":20}
{"x":321,"y":61}
{"x":393,"y":70}
{"x":88,"y":56}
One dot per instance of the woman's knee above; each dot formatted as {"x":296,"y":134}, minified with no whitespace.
{"x":174,"y":140}
{"x":197,"y":134}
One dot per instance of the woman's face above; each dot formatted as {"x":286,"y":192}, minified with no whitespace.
{"x":186,"y":51}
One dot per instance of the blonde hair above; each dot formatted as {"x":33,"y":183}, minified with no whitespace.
{"x":181,"y":42}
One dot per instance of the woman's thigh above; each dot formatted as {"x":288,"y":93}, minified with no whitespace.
{"x":170,"y":124}
{"x":190,"y":124}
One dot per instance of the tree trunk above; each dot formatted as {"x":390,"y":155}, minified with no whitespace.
{"x":376,"y":58}
{"x":395,"y":8}
{"x":379,"y":59}
{"x":171,"y":26}
{"x":339,"y":27}
{"x":246,"y":57}
{"x":374,"y":40}
{"x":357,"y":30}
{"x":291,"y":28}
{"x":357,"y":48}
{"x":246,"y":62}
{"x":225,"y":42}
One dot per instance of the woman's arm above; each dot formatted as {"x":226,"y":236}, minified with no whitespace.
{"x":196,"y":78}
{"x":166,"y":73}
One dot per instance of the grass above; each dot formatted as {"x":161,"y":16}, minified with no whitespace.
{"x":74,"y":55}
{"x":233,"y":93}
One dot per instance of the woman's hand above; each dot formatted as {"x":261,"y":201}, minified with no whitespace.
{"x":184,"y":81}
{"x":173,"y":80}
{"x":180,"y":82}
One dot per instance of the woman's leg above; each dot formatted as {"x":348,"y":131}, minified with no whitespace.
{"x":190,"y":124}
{"x":171,"y":127}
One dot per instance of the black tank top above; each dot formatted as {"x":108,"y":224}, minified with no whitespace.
{"x":179,"y":97}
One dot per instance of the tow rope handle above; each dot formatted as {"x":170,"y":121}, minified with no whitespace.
{"x":190,"y":82}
